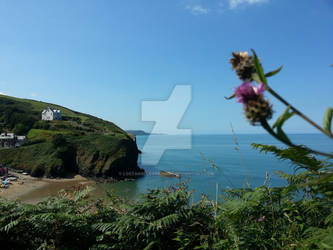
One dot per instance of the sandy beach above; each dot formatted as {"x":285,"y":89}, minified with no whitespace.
{"x":31,"y":190}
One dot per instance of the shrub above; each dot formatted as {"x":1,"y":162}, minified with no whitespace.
{"x":21,"y":129}
{"x":37,"y":171}
{"x":58,"y":140}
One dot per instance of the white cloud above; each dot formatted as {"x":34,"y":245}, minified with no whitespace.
{"x":2,"y":93}
{"x":235,"y":3}
{"x":204,"y":7}
{"x":197,"y":9}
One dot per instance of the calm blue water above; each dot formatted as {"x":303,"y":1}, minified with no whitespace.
{"x":234,"y":168}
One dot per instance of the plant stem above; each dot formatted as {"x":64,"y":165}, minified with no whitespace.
{"x":299,"y":113}
{"x":268,"y":128}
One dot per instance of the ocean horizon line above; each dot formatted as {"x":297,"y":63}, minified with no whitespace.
{"x":292,"y":133}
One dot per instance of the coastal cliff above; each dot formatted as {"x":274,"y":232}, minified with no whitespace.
{"x":79,"y":143}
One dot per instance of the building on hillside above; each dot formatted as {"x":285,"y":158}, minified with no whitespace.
{"x":10,"y":140}
{"x":51,"y":114}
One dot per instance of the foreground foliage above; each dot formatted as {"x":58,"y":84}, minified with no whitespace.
{"x":297,"y":216}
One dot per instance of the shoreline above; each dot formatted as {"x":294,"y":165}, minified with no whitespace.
{"x":30,"y":189}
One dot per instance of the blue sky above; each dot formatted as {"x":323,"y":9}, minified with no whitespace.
{"x":103,"y":57}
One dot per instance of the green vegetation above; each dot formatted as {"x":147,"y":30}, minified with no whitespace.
{"x":15,"y":111}
{"x":297,"y":216}
{"x":91,"y":146}
{"x":36,"y":134}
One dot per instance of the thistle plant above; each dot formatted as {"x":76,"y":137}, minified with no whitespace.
{"x":258,"y":110}
{"x":256,"y":107}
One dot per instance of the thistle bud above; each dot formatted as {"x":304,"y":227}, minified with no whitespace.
{"x":243,"y":64}
{"x":257,"y":110}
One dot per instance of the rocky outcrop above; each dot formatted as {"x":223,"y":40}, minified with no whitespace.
{"x":119,"y":162}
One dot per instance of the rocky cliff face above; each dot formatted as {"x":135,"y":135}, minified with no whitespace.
{"x":117,"y":162}
{"x":91,"y":156}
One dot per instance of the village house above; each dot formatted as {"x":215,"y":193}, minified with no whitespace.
{"x":51,"y":114}
{"x":10,"y":140}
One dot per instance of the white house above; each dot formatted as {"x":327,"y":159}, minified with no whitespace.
{"x":51,"y":114}
{"x":10,"y":140}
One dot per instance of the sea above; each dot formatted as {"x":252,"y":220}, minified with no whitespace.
{"x":211,"y":163}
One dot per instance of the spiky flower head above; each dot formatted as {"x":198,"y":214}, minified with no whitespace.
{"x":256,"y":108}
{"x":243,"y":64}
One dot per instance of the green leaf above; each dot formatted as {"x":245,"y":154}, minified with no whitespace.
{"x":230,"y":97}
{"x":150,"y":245}
{"x":279,"y":123}
{"x":259,"y":69}
{"x":326,"y":246}
{"x":328,"y":120}
{"x":282,"y":135}
{"x":255,"y":77}
{"x":274,"y":72}
{"x":326,"y":178}
{"x":284,"y":117}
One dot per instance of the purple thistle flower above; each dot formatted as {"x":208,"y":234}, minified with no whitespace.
{"x":261,"y":218}
{"x":247,"y":91}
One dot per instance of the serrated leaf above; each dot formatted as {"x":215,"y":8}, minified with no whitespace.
{"x":328,"y":120}
{"x":274,"y":72}
{"x":259,"y":68}
{"x":230,"y":97}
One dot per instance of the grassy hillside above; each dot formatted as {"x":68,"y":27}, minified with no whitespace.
{"x":79,"y":143}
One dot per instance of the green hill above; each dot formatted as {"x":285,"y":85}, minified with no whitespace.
{"x":79,"y":143}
